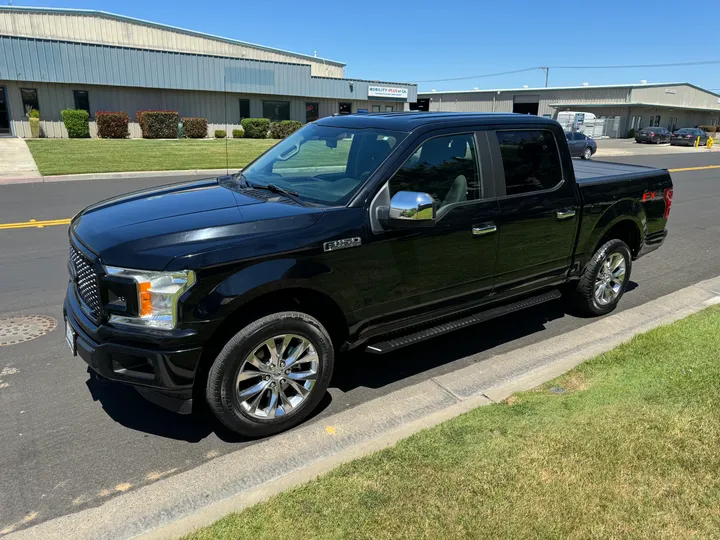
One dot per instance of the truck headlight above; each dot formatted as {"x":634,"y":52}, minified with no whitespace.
{"x":157,"y":296}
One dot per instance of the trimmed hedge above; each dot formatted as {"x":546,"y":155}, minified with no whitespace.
{"x":112,"y":125}
{"x":280,"y":130}
{"x":76,"y":123}
{"x":256,"y":128}
{"x":195,"y":128}
{"x":709,"y":129}
{"x":238,"y":133}
{"x":158,"y":124}
{"x":220,"y":133}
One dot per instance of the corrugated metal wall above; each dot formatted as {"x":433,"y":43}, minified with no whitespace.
{"x":107,"y":30}
{"x":686,"y":96}
{"x":23,"y":59}
{"x":217,"y":107}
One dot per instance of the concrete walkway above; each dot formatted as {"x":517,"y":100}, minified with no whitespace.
{"x":16,"y":162}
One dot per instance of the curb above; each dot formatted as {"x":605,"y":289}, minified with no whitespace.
{"x":111,"y":176}
{"x":181,"y":503}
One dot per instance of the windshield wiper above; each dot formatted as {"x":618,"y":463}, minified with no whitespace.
{"x":293,"y":195}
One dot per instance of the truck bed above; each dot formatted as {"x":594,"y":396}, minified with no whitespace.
{"x":599,"y":171}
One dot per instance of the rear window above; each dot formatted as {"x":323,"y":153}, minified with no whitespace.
{"x":530,"y":159}
{"x":684,"y":130}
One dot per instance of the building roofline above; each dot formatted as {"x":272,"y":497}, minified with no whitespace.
{"x":543,"y":89}
{"x":108,"y":15}
{"x":632,"y":104}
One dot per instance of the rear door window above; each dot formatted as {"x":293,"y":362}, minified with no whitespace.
{"x":530,"y":159}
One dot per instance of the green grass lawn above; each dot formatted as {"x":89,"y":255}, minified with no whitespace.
{"x":74,"y":156}
{"x":625,"y":446}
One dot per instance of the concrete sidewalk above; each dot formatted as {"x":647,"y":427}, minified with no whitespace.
{"x":175,"y":506}
{"x":17,"y":165}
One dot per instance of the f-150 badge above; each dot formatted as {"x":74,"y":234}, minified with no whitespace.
{"x":342,"y":244}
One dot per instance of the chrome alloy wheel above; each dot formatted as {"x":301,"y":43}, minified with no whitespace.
{"x":277,"y":377}
{"x":610,"y":279}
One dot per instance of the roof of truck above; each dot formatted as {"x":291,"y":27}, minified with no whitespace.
{"x":410,"y":120}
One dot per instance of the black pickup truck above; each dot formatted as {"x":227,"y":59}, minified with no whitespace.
{"x":374,"y":231}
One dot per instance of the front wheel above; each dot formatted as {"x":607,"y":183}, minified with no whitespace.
{"x":271,"y":375}
{"x":587,"y":153}
{"x":605,"y":279}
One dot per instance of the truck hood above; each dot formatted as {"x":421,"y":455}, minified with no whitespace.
{"x":192,"y":222}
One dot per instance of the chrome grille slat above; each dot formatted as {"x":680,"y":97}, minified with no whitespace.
{"x":87,"y":282}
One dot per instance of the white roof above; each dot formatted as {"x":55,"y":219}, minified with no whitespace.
{"x":551,"y":88}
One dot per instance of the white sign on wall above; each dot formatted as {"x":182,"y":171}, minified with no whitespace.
{"x":387,"y":91}
{"x":670,"y":91}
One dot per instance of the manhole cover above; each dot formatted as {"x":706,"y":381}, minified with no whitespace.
{"x":19,"y":329}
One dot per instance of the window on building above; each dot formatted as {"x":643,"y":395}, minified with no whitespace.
{"x":672,"y":123}
{"x":311,"y":112}
{"x":388,"y":108}
{"x":276,"y":110}
{"x":345,"y":108}
{"x":636,"y":122}
{"x":714,"y":123}
{"x":654,"y":121}
{"x":376,"y":108}
{"x":443,"y":167}
{"x":530,"y":159}
{"x":29,"y":99}
{"x":82,"y":100}
{"x":244,"y":109}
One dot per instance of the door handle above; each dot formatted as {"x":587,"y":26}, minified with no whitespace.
{"x":481,"y":230}
{"x":565,"y":214}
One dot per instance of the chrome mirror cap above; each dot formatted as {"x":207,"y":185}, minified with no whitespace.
{"x":412,"y":205}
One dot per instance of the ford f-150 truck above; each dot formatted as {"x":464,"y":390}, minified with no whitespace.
{"x":375,"y":231}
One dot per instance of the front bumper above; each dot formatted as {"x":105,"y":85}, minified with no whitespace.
{"x":161,"y":367}
{"x":652,"y":242}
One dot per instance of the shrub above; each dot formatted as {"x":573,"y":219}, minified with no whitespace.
{"x":195,"y":128}
{"x":631,"y":134}
{"x":709,"y":129}
{"x":256,"y":128}
{"x":238,"y":133}
{"x":158,"y":124}
{"x":112,"y":125}
{"x":220,"y":133}
{"x":76,"y":123}
{"x":34,"y":127}
{"x":33,"y":113}
{"x":280,"y":130}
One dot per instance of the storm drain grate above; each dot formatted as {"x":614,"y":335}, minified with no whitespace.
{"x":25,"y":328}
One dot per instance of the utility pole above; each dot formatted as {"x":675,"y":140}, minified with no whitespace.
{"x":547,"y":74}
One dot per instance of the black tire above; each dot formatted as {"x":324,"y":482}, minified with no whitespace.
{"x":587,"y":153}
{"x":220,"y":391}
{"x":585,"y":300}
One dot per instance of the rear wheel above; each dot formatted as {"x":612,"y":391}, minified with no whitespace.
{"x":587,"y":153}
{"x":604,"y":279}
{"x":271,"y":375}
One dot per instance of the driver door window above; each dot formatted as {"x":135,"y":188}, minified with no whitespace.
{"x":443,"y":167}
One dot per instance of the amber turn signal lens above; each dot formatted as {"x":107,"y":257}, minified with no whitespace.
{"x":145,"y":301}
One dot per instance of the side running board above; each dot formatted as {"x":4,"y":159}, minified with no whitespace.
{"x":444,"y":328}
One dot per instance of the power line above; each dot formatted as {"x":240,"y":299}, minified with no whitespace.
{"x":625,"y":66}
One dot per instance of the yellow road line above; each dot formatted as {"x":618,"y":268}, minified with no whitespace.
{"x":695,"y":168}
{"x":34,"y":224}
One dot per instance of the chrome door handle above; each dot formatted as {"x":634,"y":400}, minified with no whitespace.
{"x":565,"y":214}
{"x":480,"y":230}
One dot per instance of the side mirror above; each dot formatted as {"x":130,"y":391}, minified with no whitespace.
{"x":412,"y":207}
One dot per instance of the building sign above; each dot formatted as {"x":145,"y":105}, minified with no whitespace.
{"x":670,"y":91}
{"x":362,"y":111}
{"x":387,"y":91}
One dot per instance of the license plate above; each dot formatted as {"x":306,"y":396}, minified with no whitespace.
{"x":70,"y":338}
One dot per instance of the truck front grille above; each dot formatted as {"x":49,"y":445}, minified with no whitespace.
{"x":86,"y":282}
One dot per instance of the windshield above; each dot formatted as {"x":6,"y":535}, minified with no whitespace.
{"x":323,"y":165}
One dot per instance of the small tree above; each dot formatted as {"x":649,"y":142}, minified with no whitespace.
{"x":33,"y":116}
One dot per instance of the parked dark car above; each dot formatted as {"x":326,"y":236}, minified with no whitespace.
{"x":580,"y":145}
{"x":655,"y":135}
{"x":688,"y":136}
{"x":375,"y":231}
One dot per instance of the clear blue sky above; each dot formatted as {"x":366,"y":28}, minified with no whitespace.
{"x":419,"y":40}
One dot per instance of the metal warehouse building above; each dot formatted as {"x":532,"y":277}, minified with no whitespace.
{"x":618,"y":108}
{"x":54,"y":59}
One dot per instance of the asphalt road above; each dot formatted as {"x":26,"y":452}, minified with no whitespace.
{"x":68,"y":441}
